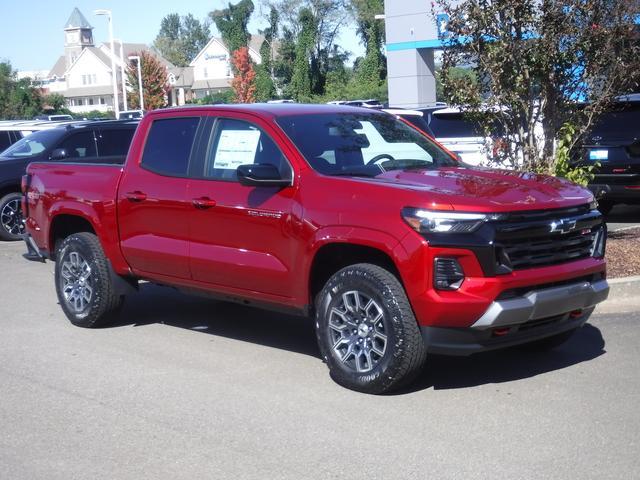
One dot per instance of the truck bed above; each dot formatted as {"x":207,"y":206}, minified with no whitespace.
{"x":66,"y":188}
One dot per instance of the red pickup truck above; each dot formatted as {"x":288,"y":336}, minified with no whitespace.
{"x":347,"y":214}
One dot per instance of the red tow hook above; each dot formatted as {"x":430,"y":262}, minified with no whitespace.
{"x":500,"y":332}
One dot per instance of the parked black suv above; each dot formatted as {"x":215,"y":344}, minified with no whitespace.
{"x":614,"y":142}
{"x":95,"y":142}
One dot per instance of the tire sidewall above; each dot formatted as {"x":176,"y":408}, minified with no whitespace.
{"x":356,"y":279}
{"x":78,"y":244}
{"x":4,"y":234}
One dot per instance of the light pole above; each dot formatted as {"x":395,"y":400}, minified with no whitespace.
{"x":114,"y":74}
{"x":137,"y":59}
{"x":122,"y":74}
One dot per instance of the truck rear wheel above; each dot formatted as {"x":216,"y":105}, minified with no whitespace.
{"x":83,"y":281}
{"x":367,"y":333}
{"x":11,"y":224}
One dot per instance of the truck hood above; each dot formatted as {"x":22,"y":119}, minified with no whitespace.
{"x":483,"y":189}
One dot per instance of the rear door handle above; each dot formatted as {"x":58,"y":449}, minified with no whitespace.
{"x":203,"y":203}
{"x":135,"y":196}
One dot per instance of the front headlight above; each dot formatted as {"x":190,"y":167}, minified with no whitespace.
{"x":593,"y":205}
{"x":433,"y":221}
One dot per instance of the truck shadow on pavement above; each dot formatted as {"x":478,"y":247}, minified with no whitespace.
{"x":442,"y":373}
{"x":155,"y":304}
{"x":165,"y":305}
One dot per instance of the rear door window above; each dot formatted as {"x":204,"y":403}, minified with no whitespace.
{"x":79,"y":145}
{"x":169,"y":145}
{"x":113,"y":144}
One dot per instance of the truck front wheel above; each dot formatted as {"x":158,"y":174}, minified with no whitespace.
{"x":83,"y":281}
{"x":367,"y":333}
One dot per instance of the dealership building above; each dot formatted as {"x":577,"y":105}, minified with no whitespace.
{"x":412,"y":32}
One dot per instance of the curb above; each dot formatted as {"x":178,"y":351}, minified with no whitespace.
{"x":615,"y":281}
{"x":624,"y":295}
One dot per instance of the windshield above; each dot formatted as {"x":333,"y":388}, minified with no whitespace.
{"x":364,"y":144}
{"x":32,"y":145}
{"x":624,"y":122}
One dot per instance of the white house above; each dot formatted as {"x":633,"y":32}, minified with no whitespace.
{"x":83,"y":74}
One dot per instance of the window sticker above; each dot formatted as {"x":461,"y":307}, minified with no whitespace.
{"x":235,"y":148}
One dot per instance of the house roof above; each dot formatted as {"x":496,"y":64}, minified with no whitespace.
{"x":58,"y":68}
{"x":99,"y":54}
{"x":212,"y":84}
{"x":76,"y":20}
{"x":103,"y":57}
{"x":88,"y":91}
{"x":132,"y":49}
{"x":183,"y":75}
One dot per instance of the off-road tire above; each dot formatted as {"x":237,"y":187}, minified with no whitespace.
{"x":405,"y":352}
{"x":6,"y":235}
{"x":105,"y":302}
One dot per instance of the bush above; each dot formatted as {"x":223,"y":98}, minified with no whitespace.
{"x":225,"y":96}
{"x":563,"y":167}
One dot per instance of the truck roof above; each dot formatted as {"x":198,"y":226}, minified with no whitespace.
{"x":270,"y":109}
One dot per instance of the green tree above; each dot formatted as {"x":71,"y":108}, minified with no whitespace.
{"x":181,"y":38}
{"x":232,"y":23}
{"x":372,"y":68}
{"x":539,"y":62}
{"x":459,"y":74}
{"x":301,"y":78}
{"x":18,"y":98}
{"x":329,"y":16}
{"x":154,"y":82}
{"x":265,"y":72}
{"x":225,"y":96}
{"x":284,"y":62}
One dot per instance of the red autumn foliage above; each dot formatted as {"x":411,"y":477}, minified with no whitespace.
{"x":244,"y":81}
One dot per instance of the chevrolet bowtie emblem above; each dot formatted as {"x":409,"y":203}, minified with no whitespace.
{"x":563,"y":226}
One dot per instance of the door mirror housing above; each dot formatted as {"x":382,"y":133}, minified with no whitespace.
{"x":261,"y":175}
{"x":59,"y":154}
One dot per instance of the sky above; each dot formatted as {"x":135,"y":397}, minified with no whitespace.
{"x":31,"y":31}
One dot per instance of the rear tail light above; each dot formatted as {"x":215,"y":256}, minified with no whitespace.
{"x":448,"y":274}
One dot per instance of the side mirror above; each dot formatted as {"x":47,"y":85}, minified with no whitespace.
{"x":59,"y":154}
{"x":261,"y":175}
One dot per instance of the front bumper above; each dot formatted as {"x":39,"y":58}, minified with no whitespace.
{"x":535,"y":315}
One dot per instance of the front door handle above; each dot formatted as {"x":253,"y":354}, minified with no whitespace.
{"x":136,"y":196}
{"x":203,"y":203}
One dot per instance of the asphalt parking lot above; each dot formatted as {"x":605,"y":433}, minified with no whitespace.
{"x":187,"y":388}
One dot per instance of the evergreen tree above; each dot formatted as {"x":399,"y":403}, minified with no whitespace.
{"x":232,"y":24}
{"x":301,"y":78}
{"x":265,"y":72}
